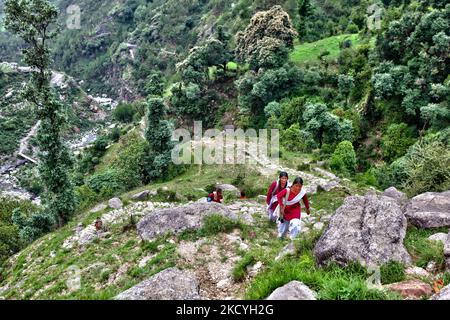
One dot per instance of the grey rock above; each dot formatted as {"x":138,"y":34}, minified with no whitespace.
{"x":99,"y":207}
{"x":438,"y":237}
{"x":429,"y":210}
{"x":115,"y":203}
{"x":261,"y":198}
{"x":294,"y":290}
{"x":87,"y":235}
{"x":141,"y":195}
{"x":178,"y":219}
{"x":369,"y":229}
{"x":170,"y":284}
{"x":289,"y":249}
{"x":318,"y":226}
{"x":444,"y":294}
{"x":393,"y":193}
{"x":229,"y":188}
{"x":329,"y":185}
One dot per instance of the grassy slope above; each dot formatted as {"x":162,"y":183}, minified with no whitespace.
{"x":42,"y":268}
{"x":309,"y":52}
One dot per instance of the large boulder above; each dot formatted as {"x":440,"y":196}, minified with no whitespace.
{"x":141,"y":195}
{"x":429,"y":210}
{"x":229,"y":188}
{"x":444,"y":294}
{"x":115,"y":203}
{"x":393,"y":193}
{"x":294,"y":290}
{"x":178,"y":219}
{"x":411,"y":289}
{"x":369,"y":229}
{"x":170,"y":284}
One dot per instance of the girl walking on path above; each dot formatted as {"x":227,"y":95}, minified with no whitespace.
{"x":289,"y":200}
{"x":276,"y":187}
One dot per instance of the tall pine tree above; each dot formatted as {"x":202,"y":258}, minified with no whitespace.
{"x":33,"y":21}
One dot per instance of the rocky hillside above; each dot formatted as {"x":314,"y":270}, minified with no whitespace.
{"x":87,"y":116}
{"x":153,"y":236}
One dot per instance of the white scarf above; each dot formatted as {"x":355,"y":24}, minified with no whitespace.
{"x":274,"y":196}
{"x":297,"y":198}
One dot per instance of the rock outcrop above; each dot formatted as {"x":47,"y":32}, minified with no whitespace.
{"x":369,"y":229}
{"x":429,"y":210}
{"x":179,"y":219}
{"x":294,"y":290}
{"x":393,"y":193}
{"x":170,"y":284}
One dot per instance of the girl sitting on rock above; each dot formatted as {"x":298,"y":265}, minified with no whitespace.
{"x":274,"y":189}
{"x":289,"y":200}
{"x":215,"y":196}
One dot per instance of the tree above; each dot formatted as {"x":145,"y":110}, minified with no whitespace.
{"x":304,"y":11}
{"x":343,"y":159}
{"x":396,"y":141}
{"x":324,"y":126}
{"x":266,"y":40}
{"x":32,"y":20}
{"x":155,"y":84}
{"x":345,"y":84}
{"x":158,"y":135}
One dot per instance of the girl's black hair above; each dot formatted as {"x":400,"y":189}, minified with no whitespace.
{"x":283,"y":174}
{"x":298,"y":180}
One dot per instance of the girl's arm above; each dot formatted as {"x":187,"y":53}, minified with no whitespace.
{"x":269,"y":192}
{"x":280,"y":197}
{"x":306,"y":202}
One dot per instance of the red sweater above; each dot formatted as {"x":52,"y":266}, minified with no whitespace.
{"x":293,"y":211}
{"x":269,"y":194}
{"x":219,"y":197}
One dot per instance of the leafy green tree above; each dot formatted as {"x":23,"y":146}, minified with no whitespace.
{"x":155,"y":84}
{"x":413,"y":52}
{"x":266,"y":40}
{"x":32,"y":20}
{"x":324,"y":126}
{"x":158,"y":135}
{"x":305,"y":10}
{"x":124,"y":112}
{"x":346,"y":83}
{"x":343,"y":159}
{"x":396,"y":141}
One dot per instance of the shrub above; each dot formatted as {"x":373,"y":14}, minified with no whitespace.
{"x":343,"y":159}
{"x":396,"y":141}
{"x":124,"y":112}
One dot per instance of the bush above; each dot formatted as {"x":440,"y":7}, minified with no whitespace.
{"x":427,"y":166}
{"x":124,"y":112}
{"x":107,"y":181}
{"x":396,"y":141}
{"x":343,"y":159}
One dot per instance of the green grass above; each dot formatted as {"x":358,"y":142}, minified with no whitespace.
{"x":392,"y":272}
{"x":309,"y":52}
{"x":422,"y":250}
{"x":330,"y":283}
